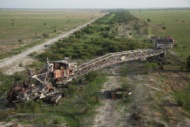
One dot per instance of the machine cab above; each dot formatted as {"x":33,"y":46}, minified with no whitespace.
{"x":63,"y":69}
{"x":163,"y":42}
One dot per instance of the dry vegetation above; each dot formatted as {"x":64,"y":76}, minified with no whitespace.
{"x":21,"y":29}
{"x":160,"y":88}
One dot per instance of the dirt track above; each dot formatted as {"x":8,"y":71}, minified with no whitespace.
{"x":16,"y":59}
{"x":107,"y":114}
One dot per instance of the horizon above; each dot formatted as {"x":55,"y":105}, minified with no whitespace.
{"x":159,"y":8}
{"x":93,"y":4}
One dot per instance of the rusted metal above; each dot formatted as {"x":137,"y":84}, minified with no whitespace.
{"x":163,"y":42}
{"x":42,"y":85}
{"x":14,"y":125}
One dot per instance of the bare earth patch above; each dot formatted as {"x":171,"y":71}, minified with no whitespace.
{"x":107,"y":114}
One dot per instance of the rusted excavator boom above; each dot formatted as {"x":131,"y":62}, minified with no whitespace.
{"x":114,"y":58}
{"x":41,"y":86}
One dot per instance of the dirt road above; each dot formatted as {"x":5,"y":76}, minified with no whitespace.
{"x":14,"y":60}
{"x":107,"y":114}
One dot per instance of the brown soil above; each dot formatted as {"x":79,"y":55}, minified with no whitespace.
{"x":153,"y":103}
{"x":107,"y":114}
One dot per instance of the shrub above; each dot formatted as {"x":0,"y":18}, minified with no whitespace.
{"x":33,"y":54}
{"x":20,"y":41}
{"x":20,"y":65}
{"x":149,"y":66}
{"x":182,"y":97}
{"x":57,"y":121}
{"x":188,"y":63}
{"x":19,"y":77}
{"x":123,"y":17}
{"x":45,"y":35}
{"x":163,"y":27}
{"x":31,"y":106}
{"x":91,"y":76}
{"x":6,"y":82}
{"x":105,"y":34}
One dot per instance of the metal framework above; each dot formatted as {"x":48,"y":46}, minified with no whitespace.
{"x":105,"y":61}
{"x":115,"y":58}
{"x":43,"y":89}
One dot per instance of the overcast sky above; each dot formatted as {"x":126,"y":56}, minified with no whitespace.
{"x":93,"y":3}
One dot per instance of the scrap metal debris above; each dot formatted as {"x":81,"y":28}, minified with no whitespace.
{"x":44,"y":85}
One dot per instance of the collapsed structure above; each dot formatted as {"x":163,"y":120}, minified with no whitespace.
{"x":44,"y":85}
{"x":163,"y":42}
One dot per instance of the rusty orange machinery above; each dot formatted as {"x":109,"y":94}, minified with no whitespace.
{"x":63,"y":70}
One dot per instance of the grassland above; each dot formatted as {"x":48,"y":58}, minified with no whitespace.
{"x":101,"y":37}
{"x":21,"y":29}
{"x":177,"y":23}
{"x":78,"y":107}
{"x":97,"y":39}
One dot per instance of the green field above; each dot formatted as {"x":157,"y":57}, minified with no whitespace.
{"x":152,"y":92}
{"x":79,"y":104}
{"x":177,"y":23}
{"x":20,"y":29}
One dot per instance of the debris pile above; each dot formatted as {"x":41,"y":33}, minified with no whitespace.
{"x":44,"y":84}
{"x":25,"y":92}
{"x":163,"y":42}
{"x":117,"y":93}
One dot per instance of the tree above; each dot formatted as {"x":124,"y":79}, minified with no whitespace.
{"x":20,"y":41}
{"x":44,"y":24}
{"x":163,"y":27}
{"x":148,"y":20}
{"x":188,"y":64}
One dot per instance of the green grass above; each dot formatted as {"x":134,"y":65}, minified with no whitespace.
{"x":178,"y":29}
{"x":182,"y":97}
{"x":75,"y":108}
{"x":29,"y":25}
{"x":95,"y":40}
{"x":78,"y":107}
{"x":6,"y":81}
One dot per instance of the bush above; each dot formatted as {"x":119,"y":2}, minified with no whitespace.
{"x":188,"y":64}
{"x":6,"y":82}
{"x":57,"y":121}
{"x":148,"y":20}
{"x":123,"y":17}
{"x":91,"y":76}
{"x":163,"y":27}
{"x":105,"y":34}
{"x":149,"y":66}
{"x":20,"y":41}
{"x":182,"y":97}
{"x":20,"y":65}
{"x":45,"y":35}
{"x":87,"y":43}
{"x":19,"y":77}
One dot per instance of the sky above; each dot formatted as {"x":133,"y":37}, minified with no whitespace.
{"x":70,"y":4}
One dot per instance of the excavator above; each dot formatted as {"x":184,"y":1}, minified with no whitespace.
{"x":42,"y":85}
